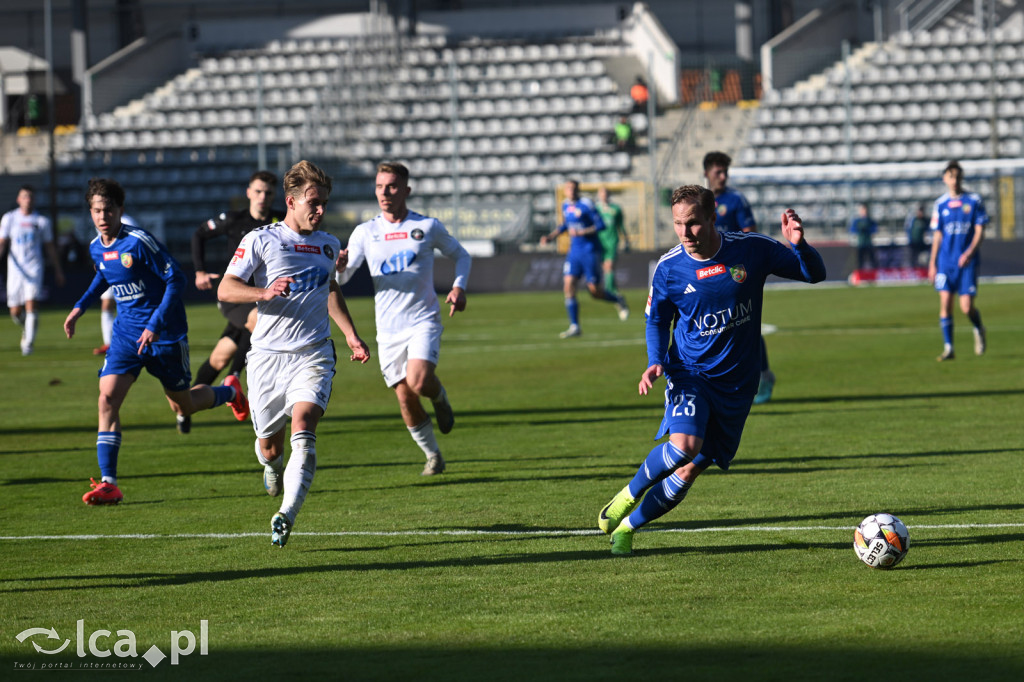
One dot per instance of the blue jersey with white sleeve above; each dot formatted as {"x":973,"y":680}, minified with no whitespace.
{"x":710,"y":309}
{"x":146,"y":281}
{"x":732,"y":212}
{"x":956,"y":217}
{"x":580,"y":215}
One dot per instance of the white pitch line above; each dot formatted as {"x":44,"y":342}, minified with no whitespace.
{"x":514,"y":533}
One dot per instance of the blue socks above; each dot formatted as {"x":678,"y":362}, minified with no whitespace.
{"x":108,"y":443}
{"x":572,"y":307}
{"x":946,"y":324}
{"x":659,"y":501}
{"x":662,"y":461}
{"x":222,"y":394}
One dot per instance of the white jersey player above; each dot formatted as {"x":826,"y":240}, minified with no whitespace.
{"x":26,"y":234}
{"x":398,"y":247}
{"x":292,"y":361}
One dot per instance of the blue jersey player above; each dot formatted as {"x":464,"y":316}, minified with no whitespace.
{"x":958,"y":226}
{"x":582,"y":221}
{"x":733,"y":214}
{"x":703,"y":334}
{"x":150,"y":330}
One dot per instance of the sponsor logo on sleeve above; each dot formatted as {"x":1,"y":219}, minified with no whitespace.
{"x":239,"y":252}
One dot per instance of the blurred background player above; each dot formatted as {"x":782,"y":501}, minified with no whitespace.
{"x":108,"y":305}
{"x":26,"y":235}
{"x":234,"y":341}
{"x":733,"y":214}
{"x":582,"y":221}
{"x":611,"y":216}
{"x":711,"y":379}
{"x":150,"y":330}
{"x":916,"y":227}
{"x":958,"y":227}
{"x":292,"y":361}
{"x":398,"y":247}
{"x":863,"y":228}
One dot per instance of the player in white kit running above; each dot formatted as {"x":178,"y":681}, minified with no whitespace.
{"x":27,"y":234}
{"x":292,"y":359}
{"x":398,"y":247}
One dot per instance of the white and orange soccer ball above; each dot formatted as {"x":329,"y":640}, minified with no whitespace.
{"x":881,"y":541}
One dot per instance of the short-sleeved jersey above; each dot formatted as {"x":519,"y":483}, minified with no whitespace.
{"x":956,"y":217}
{"x":25,"y":235}
{"x":715,"y":307}
{"x":580,"y":215}
{"x":400,"y":257}
{"x":233,"y":224}
{"x":146,"y":281}
{"x":732,"y":212}
{"x":300,"y":320}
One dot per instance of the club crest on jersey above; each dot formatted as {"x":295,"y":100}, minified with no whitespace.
{"x":711,"y":271}
{"x":110,"y":255}
{"x":739,"y":273}
{"x":126,"y":260}
{"x":417,"y":234}
{"x":307,"y":248}
{"x":395,"y":235}
{"x":722,"y":209}
{"x":967,"y":209}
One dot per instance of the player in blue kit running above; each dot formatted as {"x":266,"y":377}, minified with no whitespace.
{"x":733,"y":214}
{"x":582,"y":221}
{"x":703,"y":333}
{"x":958,"y":227}
{"x":150,"y":329}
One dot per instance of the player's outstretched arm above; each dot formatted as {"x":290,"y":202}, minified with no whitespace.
{"x":338,"y":311}
{"x":648,"y":378}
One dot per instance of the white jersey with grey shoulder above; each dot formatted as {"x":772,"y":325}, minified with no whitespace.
{"x":300,"y":320}
{"x":401,"y":261}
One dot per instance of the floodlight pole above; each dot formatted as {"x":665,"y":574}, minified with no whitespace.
{"x":50,"y":113}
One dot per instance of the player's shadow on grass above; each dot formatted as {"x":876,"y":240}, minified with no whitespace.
{"x":887,"y":397}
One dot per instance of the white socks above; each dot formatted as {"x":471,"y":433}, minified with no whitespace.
{"x":423,"y":434}
{"x":107,"y":325}
{"x":298,"y":475}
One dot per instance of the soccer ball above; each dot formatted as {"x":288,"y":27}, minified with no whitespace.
{"x":881,"y":541}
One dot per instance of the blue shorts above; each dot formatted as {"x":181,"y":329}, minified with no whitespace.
{"x":585,"y":264}
{"x":693,"y":406}
{"x":168,"y":362}
{"x":963,"y":281}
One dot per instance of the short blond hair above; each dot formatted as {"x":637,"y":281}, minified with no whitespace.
{"x":394,"y":167}
{"x":303,"y":174}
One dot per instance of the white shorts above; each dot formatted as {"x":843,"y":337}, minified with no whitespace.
{"x":21,"y":289}
{"x":422,"y":342}
{"x":279,"y":380}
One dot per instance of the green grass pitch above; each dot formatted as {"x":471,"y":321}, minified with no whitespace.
{"x":495,"y":570}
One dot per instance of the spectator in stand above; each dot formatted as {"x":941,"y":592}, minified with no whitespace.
{"x":624,"y":134}
{"x":863,"y":227}
{"x":639,"y":95}
{"x":917,"y":228}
